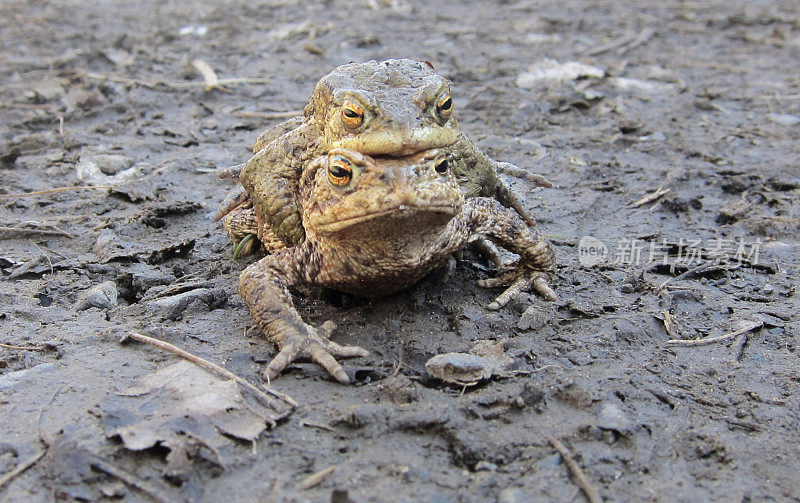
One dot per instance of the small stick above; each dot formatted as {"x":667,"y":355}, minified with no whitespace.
{"x":128,"y":479}
{"x":315,"y":478}
{"x":23,"y":348}
{"x":173,"y":85}
{"x":624,"y":44}
{"x":610,"y":46}
{"x":399,"y":362}
{"x":694,"y":270}
{"x":649,"y":197}
{"x":750,"y":326}
{"x":781,"y":97}
{"x":58,"y":189}
{"x":45,"y":256}
{"x":716,"y":66}
{"x":45,"y":232}
{"x":220,"y":83}
{"x":267,"y":115}
{"x":16,"y":472}
{"x":583,"y":481}
{"x":120,"y":80}
{"x":213,"y":367}
{"x":669,"y":323}
{"x":309,"y":424}
{"x":643,"y":36}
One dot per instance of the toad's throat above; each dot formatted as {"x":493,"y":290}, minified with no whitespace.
{"x":401,"y":211}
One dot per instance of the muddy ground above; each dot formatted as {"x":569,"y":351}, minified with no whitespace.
{"x":706,"y":129}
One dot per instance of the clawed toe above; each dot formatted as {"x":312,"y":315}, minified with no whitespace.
{"x":315,"y":346}
{"x":520,"y":281}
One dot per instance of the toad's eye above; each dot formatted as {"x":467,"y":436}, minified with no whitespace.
{"x":340,"y":171}
{"x":441,"y":166}
{"x":352,"y":114}
{"x":444,"y":106}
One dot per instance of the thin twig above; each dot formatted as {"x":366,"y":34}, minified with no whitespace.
{"x":44,"y":232}
{"x":120,"y":80}
{"x":173,"y":85}
{"x":267,"y":115}
{"x":22,"y":348}
{"x":610,"y":46}
{"x":45,"y":255}
{"x":309,"y":424}
{"x":642,"y":38}
{"x":315,"y":478}
{"x":669,"y":323}
{"x":399,"y":362}
{"x":649,"y":197}
{"x":58,"y":189}
{"x":716,"y":66}
{"x":694,"y":270}
{"x":781,"y":97}
{"x":128,"y":479}
{"x":624,"y":44}
{"x":750,"y":326}
{"x":16,"y":472}
{"x":213,"y":367}
{"x":583,"y":480}
{"x":220,"y":82}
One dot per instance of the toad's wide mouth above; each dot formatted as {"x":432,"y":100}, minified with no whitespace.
{"x":400,"y":211}
{"x":395,"y":144}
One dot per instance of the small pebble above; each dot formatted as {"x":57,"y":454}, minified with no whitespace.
{"x":784,"y":119}
{"x":104,"y":296}
{"x":485,"y":466}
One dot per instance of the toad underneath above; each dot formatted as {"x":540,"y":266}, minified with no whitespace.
{"x":374,"y":226}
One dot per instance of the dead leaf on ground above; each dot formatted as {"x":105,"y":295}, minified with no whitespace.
{"x":183,"y":408}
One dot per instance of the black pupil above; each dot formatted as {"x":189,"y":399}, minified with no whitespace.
{"x":351,"y":113}
{"x":446,"y":104}
{"x":441,"y":167}
{"x":339,"y":171}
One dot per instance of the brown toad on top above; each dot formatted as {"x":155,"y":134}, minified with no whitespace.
{"x":377,"y":225}
{"x":391,"y":108}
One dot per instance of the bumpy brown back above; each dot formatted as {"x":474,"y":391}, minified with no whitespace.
{"x":271,"y":177}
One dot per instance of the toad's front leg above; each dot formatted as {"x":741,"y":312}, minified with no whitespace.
{"x":486,"y":217}
{"x":264,"y":287}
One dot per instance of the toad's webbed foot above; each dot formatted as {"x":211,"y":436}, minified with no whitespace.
{"x":506,"y":228}
{"x":264,"y":287}
{"x":313,"y":343}
{"x":518,"y":281}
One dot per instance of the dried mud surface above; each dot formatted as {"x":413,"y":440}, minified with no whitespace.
{"x":710,"y":115}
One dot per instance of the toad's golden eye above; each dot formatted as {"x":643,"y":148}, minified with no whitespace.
{"x":340,"y":171}
{"x":352,"y":114}
{"x":444,"y":107}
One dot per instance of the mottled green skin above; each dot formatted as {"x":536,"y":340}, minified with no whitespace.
{"x":395,"y":221}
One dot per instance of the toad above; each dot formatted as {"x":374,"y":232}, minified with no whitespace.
{"x":374,"y":225}
{"x":391,"y":108}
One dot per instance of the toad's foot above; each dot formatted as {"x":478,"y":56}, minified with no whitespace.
{"x":264,"y":286}
{"x":506,"y":228}
{"x":519,"y":281}
{"x":314,"y":344}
